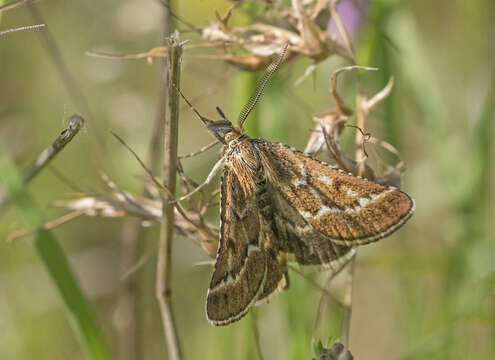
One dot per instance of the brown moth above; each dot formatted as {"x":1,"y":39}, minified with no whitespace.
{"x":277,"y":202}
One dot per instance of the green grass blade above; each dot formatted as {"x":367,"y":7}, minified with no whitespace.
{"x":56,"y":262}
{"x":80,"y":314}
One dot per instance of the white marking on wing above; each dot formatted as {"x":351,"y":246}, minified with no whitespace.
{"x":325,"y":179}
{"x":351,"y":210}
{"x":363,"y":201}
{"x":375,"y":197}
{"x":299,"y":181}
{"x":325,"y":210}
{"x":306,"y":214}
{"x":349,"y":191}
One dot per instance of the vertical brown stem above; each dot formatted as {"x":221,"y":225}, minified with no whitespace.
{"x":349,"y":271}
{"x":156,"y":136}
{"x":347,"y":311}
{"x":164,"y":268}
{"x":361,"y":117}
{"x":133,"y":341}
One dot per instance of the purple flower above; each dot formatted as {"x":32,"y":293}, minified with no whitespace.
{"x":352,"y":13}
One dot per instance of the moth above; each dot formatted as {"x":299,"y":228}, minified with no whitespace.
{"x":278,"y":203}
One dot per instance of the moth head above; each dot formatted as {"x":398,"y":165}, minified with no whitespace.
{"x":224,"y":131}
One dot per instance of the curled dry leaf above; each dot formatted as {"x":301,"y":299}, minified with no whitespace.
{"x":330,"y":124}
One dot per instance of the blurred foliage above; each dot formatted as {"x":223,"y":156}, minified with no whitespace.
{"x":426,"y":292}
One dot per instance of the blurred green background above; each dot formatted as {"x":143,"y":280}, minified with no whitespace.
{"x":427,"y":292}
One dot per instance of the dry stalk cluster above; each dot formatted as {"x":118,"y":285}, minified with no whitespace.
{"x":304,"y":25}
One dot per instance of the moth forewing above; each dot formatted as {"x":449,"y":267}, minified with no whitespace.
{"x":347,"y":209}
{"x":241,"y":265}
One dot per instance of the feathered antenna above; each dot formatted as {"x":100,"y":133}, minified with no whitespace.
{"x":255,"y":98}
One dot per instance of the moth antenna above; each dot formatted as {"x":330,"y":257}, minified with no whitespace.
{"x":205,"y":121}
{"x":255,"y":98}
{"x":221,"y":113}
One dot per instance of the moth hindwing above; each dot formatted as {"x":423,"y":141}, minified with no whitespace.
{"x":277,"y":202}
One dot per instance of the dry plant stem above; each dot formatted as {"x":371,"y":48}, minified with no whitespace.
{"x":164,"y":266}
{"x":324,"y":290}
{"x":200,"y":151}
{"x":347,"y":311}
{"x":138,"y":243}
{"x":169,"y":193}
{"x":360,"y":159}
{"x":48,"y":226}
{"x":75,"y":124}
{"x":360,"y":135}
{"x":14,"y":4}
{"x":28,"y":27}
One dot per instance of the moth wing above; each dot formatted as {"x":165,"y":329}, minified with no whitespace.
{"x":241,"y":266}
{"x":277,"y":278}
{"x":347,"y":209}
{"x":298,"y":237}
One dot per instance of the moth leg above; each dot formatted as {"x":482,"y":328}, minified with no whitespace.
{"x":211,"y":175}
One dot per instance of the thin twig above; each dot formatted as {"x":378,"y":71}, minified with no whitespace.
{"x":164,"y":265}
{"x":361,"y":160}
{"x":347,"y":310}
{"x":200,"y":151}
{"x":138,"y":264}
{"x":314,"y":283}
{"x":48,"y":226}
{"x":28,"y":27}
{"x":75,"y":124}
{"x":14,"y":4}
{"x":137,"y":244}
{"x":169,"y":193}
